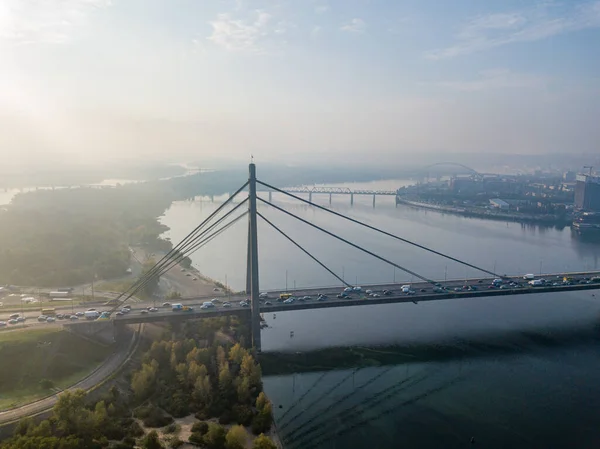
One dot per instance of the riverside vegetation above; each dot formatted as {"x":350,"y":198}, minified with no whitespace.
{"x":201,"y":373}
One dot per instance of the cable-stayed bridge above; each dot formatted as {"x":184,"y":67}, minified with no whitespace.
{"x":422,"y":289}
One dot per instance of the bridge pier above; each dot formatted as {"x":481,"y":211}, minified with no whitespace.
{"x":253,"y":258}
{"x":270,"y":196}
{"x":310,"y":196}
{"x":330,"y":199}
{"x":351,"y":199}
{"x":374,"y":200}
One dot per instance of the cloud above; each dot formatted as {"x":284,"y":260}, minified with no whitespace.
{"x":355,"y":26}
{"x":241,"y":34}
{"x":315,"y":32}
{"x":499,"y":29}
{"x":498,"y":79}
{"x":322,"y":9}
{"x":44,"y":21}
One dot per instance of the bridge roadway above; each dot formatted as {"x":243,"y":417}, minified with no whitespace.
{"x":452,"y":289}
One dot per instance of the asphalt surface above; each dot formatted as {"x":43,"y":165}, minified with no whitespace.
{"x":420,"y":291}
{"x":111,"y":364}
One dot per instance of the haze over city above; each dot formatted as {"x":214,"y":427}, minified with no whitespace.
{"x":93,"y":80}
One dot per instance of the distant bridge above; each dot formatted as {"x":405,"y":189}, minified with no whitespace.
{"x":335,"y":191}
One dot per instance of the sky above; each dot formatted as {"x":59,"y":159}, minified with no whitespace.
{"x":97,"y":80}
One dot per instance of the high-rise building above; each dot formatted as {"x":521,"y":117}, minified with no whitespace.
{"x":587,"y":192}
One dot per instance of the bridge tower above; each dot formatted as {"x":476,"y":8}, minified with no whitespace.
{"x":252,"y":286}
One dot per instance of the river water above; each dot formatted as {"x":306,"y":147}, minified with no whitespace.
{"x":518,"y":371}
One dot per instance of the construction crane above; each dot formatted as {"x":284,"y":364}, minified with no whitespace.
{"x":590,"y":167}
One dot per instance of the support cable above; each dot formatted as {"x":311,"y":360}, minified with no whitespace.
{"x":383,"y":259}
{"x":373,"y":228}
{"x":182,"y":244}
{"x":303,"y":250}
{"x":190,"y":251}
{"x":182,"y":254}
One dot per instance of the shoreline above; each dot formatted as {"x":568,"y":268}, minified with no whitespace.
{"x":541,"y":220}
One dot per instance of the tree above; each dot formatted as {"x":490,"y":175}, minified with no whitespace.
{"x":237,"y":354}
{"x":236,"y":438}
{"x":263,"y":442}
{"x":215,"y":437}
{"x":252,"y":371}
{"x":243,"y":390}
{"x":151,"y":441}
{"x":261,"y":401}
{"x":200,"y":427}
{"x":202,"y":391}
{"x":142,"y":382}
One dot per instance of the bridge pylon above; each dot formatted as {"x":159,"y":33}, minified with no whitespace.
{"x":252,"y":286}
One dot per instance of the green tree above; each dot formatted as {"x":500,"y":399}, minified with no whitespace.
{"x":243,"y":390}
{"x":202,"y":391}
{"x":261,"y":401}
{"x":237,"y":354}
{"x":263,"y":442}
{"x":151,"y":441}
{"x":236,"y":438}
{"x":143,"y":381}
{"x":252,"y":371}
{"x":214,"y":437}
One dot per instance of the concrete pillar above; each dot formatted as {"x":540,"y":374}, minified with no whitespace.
{"x":212,"y":198}
{"x":352,"y":199}
{"x":249,"y":261}
{"x":310,"y":197}
{"x":254,"y":293}
{"x":374,"y":200}
{"x":270,"y":196}
{"x":330,"y":199}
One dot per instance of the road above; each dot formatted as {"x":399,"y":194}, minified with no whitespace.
{"x":112,"y":364}
{"x":420,"y":292}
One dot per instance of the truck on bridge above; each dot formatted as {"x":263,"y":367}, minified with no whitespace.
{"x":181,"y":308}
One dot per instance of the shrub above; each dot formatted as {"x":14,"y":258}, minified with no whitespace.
{"x":200,"y":427}
{"x":196,"y":438}
{"x":225,"y":418}
{"x":172,"y":428}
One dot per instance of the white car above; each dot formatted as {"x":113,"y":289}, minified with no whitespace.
{"x":368,"y":292}
{"x":144,"y":311}
{"x":348,"y":289}
{"x":263,"y":295}
{"x":2,"y":323}
{"x":226,"y":304}
{"x":215,"y":300}
{"x":357,"y":289}
{"x":289,"y":301}
{"x":50,"y":319}
{"x":245,"y":304}
{"x":152,"y":309}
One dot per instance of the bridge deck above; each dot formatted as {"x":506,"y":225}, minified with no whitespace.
{"x":362,"y":299}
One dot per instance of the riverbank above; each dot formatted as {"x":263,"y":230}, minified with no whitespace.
{"x":550,"y":220}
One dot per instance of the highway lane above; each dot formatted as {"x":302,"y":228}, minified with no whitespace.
{"x":110,"y":366}
{"x":420,"y":291}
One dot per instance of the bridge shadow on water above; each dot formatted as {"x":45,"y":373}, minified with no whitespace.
{"x":533,"y":389}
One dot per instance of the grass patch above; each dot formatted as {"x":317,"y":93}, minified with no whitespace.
{"x":33,"y":355}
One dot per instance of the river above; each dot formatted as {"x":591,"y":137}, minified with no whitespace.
{"x":516,"y":371}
